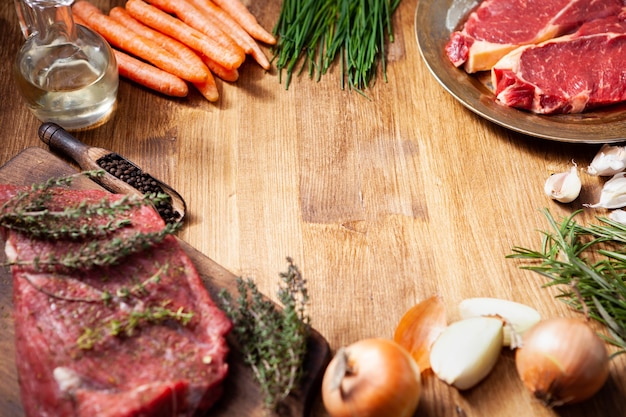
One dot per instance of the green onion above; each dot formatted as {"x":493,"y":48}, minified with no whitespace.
{"x":315,"y":34}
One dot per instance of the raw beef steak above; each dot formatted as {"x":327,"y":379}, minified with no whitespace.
{"x":497,"y":27}
{"x":111,"y":341}
{"x":569,"y":74}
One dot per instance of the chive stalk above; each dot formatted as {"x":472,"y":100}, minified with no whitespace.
{"x":317,"y":34}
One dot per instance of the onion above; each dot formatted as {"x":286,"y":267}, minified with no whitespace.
{"x":371,"y":378}
{"x":517,"y":317}
{"x":420,"y":326}
{"x":467,"y":351}
{"x":562,"y":361}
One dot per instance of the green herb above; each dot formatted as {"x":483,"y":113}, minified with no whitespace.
{"x":272,"y":341}
{"x":91,"y":223}
{"x":127,"y":326}
{"x":588,"y":263}
{"x":316,"y":33}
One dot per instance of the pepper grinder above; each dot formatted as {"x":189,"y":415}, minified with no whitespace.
{"x":66,"y":73}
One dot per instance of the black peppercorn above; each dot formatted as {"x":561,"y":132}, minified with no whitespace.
{"x":135,"y":177}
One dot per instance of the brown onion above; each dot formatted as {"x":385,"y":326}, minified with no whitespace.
{"x":562,"y":361}
{"x":420,"y":326}
{"x":372,"y":378}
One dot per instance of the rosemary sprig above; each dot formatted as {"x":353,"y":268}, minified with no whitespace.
{"x":588,"y":263}
{"x":272,"y":341}
{"x":93,"y":224}
{"x":318,"y":33}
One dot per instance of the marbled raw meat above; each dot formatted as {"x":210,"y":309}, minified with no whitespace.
{"x":569,"y":74}
{"x":497,"y":27}
{"x":163,"y":369}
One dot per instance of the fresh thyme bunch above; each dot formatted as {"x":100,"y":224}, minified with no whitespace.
{"x":588,"y":263}
{"x":272,"y":340}
{"x":92,"y":224}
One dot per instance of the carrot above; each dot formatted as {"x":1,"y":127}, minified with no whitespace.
{"x":225,"y":22}
{"x":176,"y":48}
{"x":119,"y":36}
{"x":229,"y":57}
{"x":208,"y":88}
{"x":146,"y":74}
{"x":194,"y":17}
{"x":240,"y":13}
{"x":150,"y":76}
{"x":80,"y":21}
{"x":225,"y":74}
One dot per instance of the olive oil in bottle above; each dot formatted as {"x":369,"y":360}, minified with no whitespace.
{"x":67,"y":73}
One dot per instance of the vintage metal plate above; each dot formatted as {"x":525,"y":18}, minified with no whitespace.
{"x":436,"y":19}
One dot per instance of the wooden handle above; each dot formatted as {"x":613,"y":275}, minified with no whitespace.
{"x":59,"y":140}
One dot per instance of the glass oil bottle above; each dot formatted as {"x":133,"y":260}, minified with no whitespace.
{"x":66,"y":73}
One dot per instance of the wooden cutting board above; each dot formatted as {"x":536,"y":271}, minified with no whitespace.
{"x":241,"y":396}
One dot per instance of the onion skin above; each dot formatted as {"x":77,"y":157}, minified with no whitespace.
{"x":381,"y":379}
{"x":420,"y":326}
{"x":562,"y":361}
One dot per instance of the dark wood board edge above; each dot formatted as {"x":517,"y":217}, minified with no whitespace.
{"x":241,"y":396}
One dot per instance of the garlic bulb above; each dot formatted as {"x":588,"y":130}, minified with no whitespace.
{"x":563,"y":187}
{"x":608,"y":161}
{"x":467,"y":351}
{"x":613,"y":193}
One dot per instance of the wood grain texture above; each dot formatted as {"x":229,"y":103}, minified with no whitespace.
{"x":381,"y":202}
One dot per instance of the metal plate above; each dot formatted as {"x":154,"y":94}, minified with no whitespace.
{"x":436,"y":19}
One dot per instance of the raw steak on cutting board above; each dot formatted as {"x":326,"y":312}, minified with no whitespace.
{"x":164,"y":368}
{"x":569,"y":74}
{"x":497,"y":27}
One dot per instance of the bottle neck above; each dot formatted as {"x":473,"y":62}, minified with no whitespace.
{"x":46,"y":19}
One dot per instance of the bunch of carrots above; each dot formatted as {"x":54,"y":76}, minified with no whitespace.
{"x":165,"y":45}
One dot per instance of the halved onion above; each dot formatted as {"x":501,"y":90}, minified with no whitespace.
{"x":420,"y":326}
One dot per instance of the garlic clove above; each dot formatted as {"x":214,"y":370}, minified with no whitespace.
{"x":517,"y":317}
{"x":608,"y":161}
{"x":563,"y":187}
{"x":467,"y":351}
{"x":613,"y":194}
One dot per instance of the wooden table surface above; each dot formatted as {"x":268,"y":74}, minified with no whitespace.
{"x":381,"y":202}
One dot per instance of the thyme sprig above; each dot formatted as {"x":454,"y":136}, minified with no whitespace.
{"x":100,"y":253}
{"x":318,"y":33}
{"x":127,"y":326}
{"x":92,"y":223}
{"x":588,"y":264}
{"x":272,"y":340}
